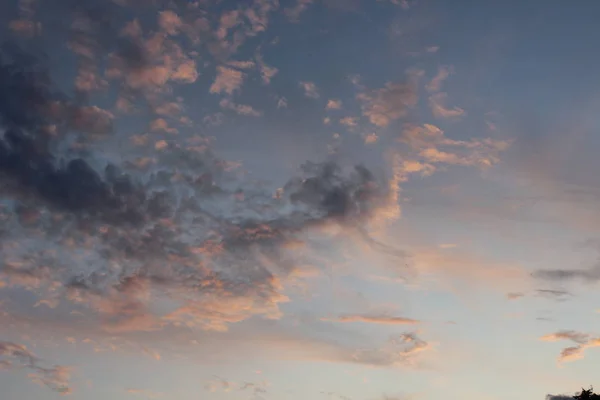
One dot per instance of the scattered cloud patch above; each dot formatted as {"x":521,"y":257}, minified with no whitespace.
{"x":310,"y":90}
{"x":388,"y":104}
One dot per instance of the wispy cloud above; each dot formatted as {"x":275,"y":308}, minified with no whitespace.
{"x":16,"y":356}
{"x":375,"y":319}
{"x":435,"y":85}
{"x":583,"y":341}
{"x":437,"y":102}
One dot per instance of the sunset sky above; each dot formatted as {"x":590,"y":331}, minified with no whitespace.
{"x":299,"y":199}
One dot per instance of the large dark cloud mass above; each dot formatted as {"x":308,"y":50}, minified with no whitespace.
{"x":187,"y":228}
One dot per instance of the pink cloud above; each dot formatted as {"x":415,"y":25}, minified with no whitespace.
{"x":310,"y":89}
{"x":390,"y":103}
{"x":437,"y":103}
{"x":228,"y":80}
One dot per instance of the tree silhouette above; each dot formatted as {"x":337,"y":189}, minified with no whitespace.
{"x":587,"y":395}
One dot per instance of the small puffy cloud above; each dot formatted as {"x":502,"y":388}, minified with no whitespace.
{"x":334,"y":104}
{"x":228,"y":80}
{"x":169,"y":22}
{"x":390,"y":103}
{"x":161,"y":125}
{"x":185,"y":72}
{"x":241,"y":109}
{"x":310,"y":89}
{"x":371,"y":138}
{"x":437,"y":103}
{"x":169,"y":109}
{"x":349,"y":122}
{"x":282,"y":102}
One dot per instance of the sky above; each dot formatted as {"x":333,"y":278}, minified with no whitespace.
{"x":299,"y":199}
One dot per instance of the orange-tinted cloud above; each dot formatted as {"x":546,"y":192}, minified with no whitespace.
{"x":437,"y":103}
{"x":228,"y":80}
{"x":390,"y":103}
{"x":583,"y":341}
{"x":334,"y":104}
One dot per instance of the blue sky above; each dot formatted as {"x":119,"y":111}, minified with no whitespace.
{"x":325,"y":199}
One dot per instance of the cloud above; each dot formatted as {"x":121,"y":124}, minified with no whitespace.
{"x":371,"y":138}
{"x":310,"y":89}
{"x":293,"y":13}
{"x":16,"y":356}
{"x":583,"y":341}
{"x":143,"y":236}
{"x":241,"y":109}
{"x":282,"y":102}
{"x":435,"y":85}
{"x":514,"y":295}
{"x":433,"y":147}
{"x":437,"y":103}
{"x":591,"y":274}
{"x":349,"y":122}
{"x":558,"y":295}
{"x":376,"y":319}
{"x":228,"y":80}
{"x":390,"y":103}
{"x":266,"y":72}
{"x":334,"y":104}
{"x":220,"y":384}
{"x":169,"y":22}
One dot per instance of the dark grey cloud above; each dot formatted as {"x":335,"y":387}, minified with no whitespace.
{"x":28,"y":167}
{"x":558,"y":397}
{"x":109,"y":234}
{"x":555,"y":294}
{"x":586,"y":275}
